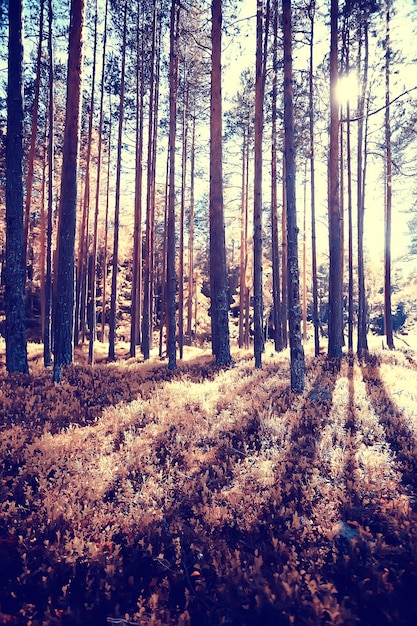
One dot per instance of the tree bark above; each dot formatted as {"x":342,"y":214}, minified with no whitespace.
{"x":64,"y":309}
{"x":137,"y":233}
{"x":257,"y":192}
{"x":115,"y":261}
{"x":106,"y":232}
{"x":361,"y":169}
{"x":93,"y":277}
{"x":182,"y":221}
{"x":284,"y":258}
{"x":147,"y":325}
{"x":335,"y":233}
{"x":294,"y":309}
{"x":33,"y":135}
{"x":171,"y":273}
{"x":191,"y":288}
{"x":47,"y":327}
{"x":311,"y":10}
{"x":388,"y":188}
{"x":16,"y":346}
{"x":219,"y":294}
{"x":243,"y":235}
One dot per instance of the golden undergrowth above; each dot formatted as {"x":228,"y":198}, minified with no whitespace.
{"x":131,"y":494}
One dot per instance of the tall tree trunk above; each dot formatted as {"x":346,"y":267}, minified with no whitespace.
{"x":304,"y":284}
{"x":82,"y":262}
{"x":182,"y":222}
{"x":243,"y":235}
{"x":106,"y":231}
{"x":284,"y":258}
{"x":362,"y":328}
{"x":150,"y":201}
{"x":276,"y":282}
{"x":163,"y":312}
{"x":335,"y":234}
{"x":257,"y":191}
{"x":219,"y":295}
{"x":93,"y":276}
{"x":137,"y":232}
{"x":311,"y":10}
{"x":191,"y":289}
{"x":64,"y":309}
{"x":350,"y":231}
{"x":294,"y":309}
{"x":388,"y":187}
{"x":31,"y":160}
{"x":171,"y":273}
{"x":47,"y":327}
{"x":16,"y":347}
{"x":42,"y":227}
{"x":115,"y":261}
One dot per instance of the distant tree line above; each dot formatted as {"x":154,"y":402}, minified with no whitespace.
{"x":126,"y":121}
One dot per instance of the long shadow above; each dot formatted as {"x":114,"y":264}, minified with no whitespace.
{"x":84,"y":393}
{"x":278,"y":536}
{"x":398,"y":434}
{"x":216,"y":567}
{"x":372,"y":562}
{"x":141,"y":571}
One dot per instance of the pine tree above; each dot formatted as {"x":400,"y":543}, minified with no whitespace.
{"x":294,"y":309}
{"x":219,"y":294}
{"x":64,"y":307}
{"x":16,"y":347}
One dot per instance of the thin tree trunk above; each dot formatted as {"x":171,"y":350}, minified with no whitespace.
{"x":294,"y":310}
{"x":350,"y":232}
{"x":163,"y":313}
{"x":335,"y":235}
{"x":257,"y":189}
{"x":311,"y":10}
{"x":16,"y":346}
{"x":149,"y":231}
{"x":64,"y":310}
{"x":106,"y":232}
{"x":362,"y":328}
{"x":115,"y":262}
{"x":284,"y":258}
{"x":82,"y":265}
{"x":137,"y":233}
{"x":219,"y":294}
{"x":47,"y":328}
{"x":153,"y":168}
{"x":31,"y":159}
{"x":276,"y":282}
{"x":93,"y":277}
{"x":171,"y":274}
{"x":191,"y":289}
{"x":304,"y":300}
{"x":243,"y":237}
{"x":42,"y":226}
{"x":182,"y":221}
{"x":388,"y":187}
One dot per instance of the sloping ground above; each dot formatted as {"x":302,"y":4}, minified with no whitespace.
{"x":133,"y":495}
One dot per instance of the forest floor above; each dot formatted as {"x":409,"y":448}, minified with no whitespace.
{"x":134,"y":495}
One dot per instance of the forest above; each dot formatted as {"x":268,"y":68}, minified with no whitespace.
{"x":208,"y":312}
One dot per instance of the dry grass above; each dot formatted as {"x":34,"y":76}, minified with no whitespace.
{"x":131,"y":494}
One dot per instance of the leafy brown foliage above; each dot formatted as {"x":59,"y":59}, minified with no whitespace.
{"x":131,"y":494}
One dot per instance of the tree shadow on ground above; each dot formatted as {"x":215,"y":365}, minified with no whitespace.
{"x":373,"y":559}
{"x":397,"y":432}
{"x":267,"y":586}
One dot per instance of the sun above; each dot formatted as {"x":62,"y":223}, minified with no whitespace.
{"x":347,"y":88}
